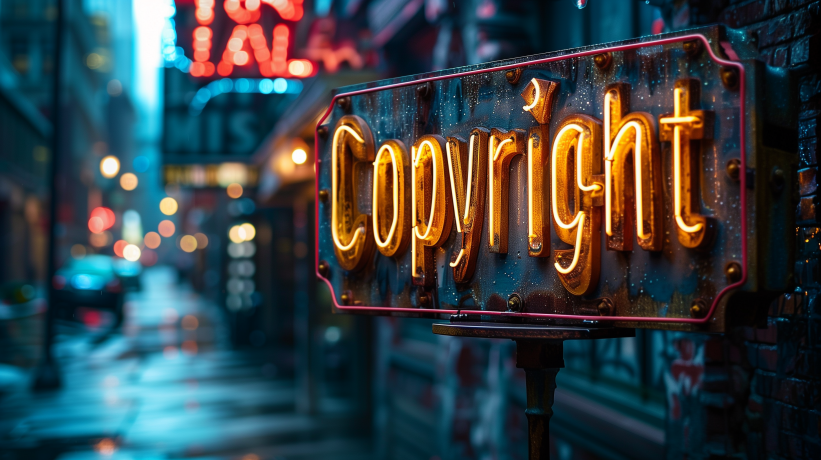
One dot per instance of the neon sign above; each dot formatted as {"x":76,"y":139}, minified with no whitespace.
{"x":544,"y":200}
{"x":247,"y":43}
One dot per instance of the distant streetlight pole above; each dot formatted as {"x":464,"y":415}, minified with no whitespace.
{"x":47,"y":374}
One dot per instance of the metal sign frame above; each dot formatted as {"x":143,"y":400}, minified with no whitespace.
{"x":731,"y":63}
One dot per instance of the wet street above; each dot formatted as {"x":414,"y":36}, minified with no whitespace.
{"x":167,"y":386}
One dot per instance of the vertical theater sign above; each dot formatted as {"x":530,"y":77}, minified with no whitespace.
{"x":639,"y":184}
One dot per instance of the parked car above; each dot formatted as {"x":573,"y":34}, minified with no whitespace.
{"x":90,"y":283}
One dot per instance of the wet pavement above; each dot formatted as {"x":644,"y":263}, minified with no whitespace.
{"x":168,"y":386}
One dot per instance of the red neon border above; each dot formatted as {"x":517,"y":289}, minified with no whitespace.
{"x":631,"y":46}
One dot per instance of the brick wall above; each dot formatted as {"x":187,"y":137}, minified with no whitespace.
{"x":760,"y":394}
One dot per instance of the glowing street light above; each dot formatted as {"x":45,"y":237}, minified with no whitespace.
{"x":234,"y":190}
{"x":202,"y":240}
{"x":188,"y":243}
{"x":166,"y":228}
{"x":128,"y":181}
{"x":240,"y":233}
{"x":249,"y":230}
{"x":132,"y":253}
{"x":152,"y":240}
{"x":168,"y":206}
{"x":236,"y":234}
{"x":299,"y":156}
{"x":109,"y":166}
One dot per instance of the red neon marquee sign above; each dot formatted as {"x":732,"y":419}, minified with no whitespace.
{"x":247,"y":42}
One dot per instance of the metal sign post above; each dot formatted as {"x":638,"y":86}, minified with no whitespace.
{"x":539,"y":351}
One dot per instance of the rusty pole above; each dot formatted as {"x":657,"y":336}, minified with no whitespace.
{"x":541,"y":361}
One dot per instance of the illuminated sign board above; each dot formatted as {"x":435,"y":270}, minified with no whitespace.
{"x":211,"y":175}
{"x":226,"y":38}
{"x":634,"y":184}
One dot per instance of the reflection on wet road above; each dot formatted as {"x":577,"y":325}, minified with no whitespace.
{"x":169,"y":386}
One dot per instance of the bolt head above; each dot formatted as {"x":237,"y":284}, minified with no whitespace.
{"x":603,"y":60}
{"x":513,"y":75}
{"x":514,"y":303}
{"x":605,"y":307}
{"x":323,"y":195}
{"x":696,"y":309}
{"x":733,"y":272}
{"x":729,"y":77}
{"x":424,"y":300}
{"x":733,"y":169}
{"x":778,"y":178}
{"x":425,"y":90}
{"x":322,"y":131}
{"x":692,"y":47}
{"x":344,"y":103}
{"x":324,"y":268}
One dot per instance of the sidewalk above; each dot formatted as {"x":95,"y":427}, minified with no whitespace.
{"x":168,"y":386}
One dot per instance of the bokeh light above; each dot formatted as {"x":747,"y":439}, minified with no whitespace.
{"x":234,"y":190}
{"x":166,"y":228}
{"x":141,"y":164}
{"x":106,"y":447}
{"x":202,"y":240}
{"x":114,"y":88}
{"x":168,"y":206}
{"x":190,"y":322}
{"x":101,"y":219}
{"x":189,"y":347}
{"x":95,"y":224}
{"x":109,"y":166}
{"x":188,"y":243}
{"x":170,"y":352}
{"x":148,"y":258}
{"x":250,"y":231}
{"x":243,"y":232}
{"x":119,"y":246}
{"x":99,"y":240}
{"x":300,"y":67}
{"x":132,"y":253}
{"x":299,"y":156}
{"x":152,"y":240}
{"x":78,"y":251}
{"x":128,"y":181}
{"x":234,"y":234}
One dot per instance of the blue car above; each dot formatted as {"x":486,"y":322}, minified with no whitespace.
{"x":90,"y":283}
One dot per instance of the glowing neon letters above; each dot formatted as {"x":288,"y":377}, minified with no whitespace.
{"x":590,"y":167}
{"x":389,"y":210}
{"x":630,"y":139}
{"x":431,"y":211}
{"x":467,"y":162}
{"x":683,"y":128}
{"x":352,"y":145}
